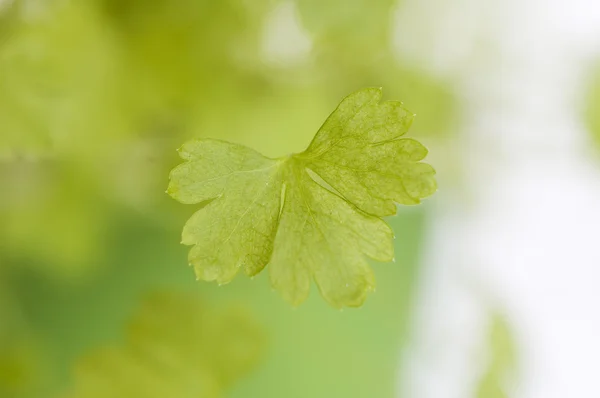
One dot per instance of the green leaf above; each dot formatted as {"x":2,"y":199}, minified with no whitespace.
{"x":312,"y":215}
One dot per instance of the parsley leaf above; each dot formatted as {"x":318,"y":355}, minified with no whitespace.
{"x":312,"y":215}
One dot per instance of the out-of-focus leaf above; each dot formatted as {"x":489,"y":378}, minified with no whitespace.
{"x":362,"y":25}
{"x":46,"y":223}
{"x":175,"y":347}
{"x":592,"y":109}
{"x":432,"y":97}
{"x":24,"y":369}
{"x":313,"y":215}
{"x":56,"y":76}
{"x":353,"y":46}
{"x":180,"y":56}
{"x":496,"y":382}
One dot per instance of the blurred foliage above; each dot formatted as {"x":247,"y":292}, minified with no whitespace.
{"x":353,"y":48}
{"x":95,"y":96}
{"x":24,"y":367}
{"x":24,"y":370}
{"x":93,"y":92}
{"x":498,"y":379}
{"x":313,"y":350}
{"x":43,"y":218}
{"x":348,"y":32}
{"x":592,"y":105}
{"x":174,"y":346}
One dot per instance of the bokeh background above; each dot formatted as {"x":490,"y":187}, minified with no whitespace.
{"x":494,"y":292}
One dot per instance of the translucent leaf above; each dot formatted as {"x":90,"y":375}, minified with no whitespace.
{"x":313,"y":215}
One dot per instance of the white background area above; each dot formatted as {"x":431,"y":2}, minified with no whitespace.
{"x":522,"y":233}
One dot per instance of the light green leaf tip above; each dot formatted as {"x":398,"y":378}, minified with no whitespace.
{"x":312,"y":215}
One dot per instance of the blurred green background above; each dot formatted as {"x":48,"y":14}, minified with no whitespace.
{"x":95,"y":96}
